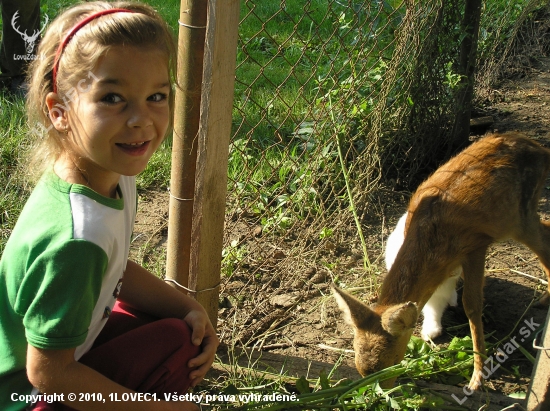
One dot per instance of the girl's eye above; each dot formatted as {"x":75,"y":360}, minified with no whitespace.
{"x":111,"y":99}
{"x":158,"y":97}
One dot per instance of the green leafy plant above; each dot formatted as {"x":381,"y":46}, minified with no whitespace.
{"x":232,"y":257}
{"x":324,"y":393}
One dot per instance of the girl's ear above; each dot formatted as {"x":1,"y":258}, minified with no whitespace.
{"x":57,"y":112}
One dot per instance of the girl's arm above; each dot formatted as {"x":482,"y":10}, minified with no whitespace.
{"x":57,"y":372}
{"x":149,"y":294}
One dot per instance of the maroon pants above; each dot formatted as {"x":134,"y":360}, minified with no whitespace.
{"x":141,"y":353}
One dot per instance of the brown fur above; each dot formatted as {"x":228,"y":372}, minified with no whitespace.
{"x":489,"y":192}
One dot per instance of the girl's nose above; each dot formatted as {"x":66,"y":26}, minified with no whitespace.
{"x":139,"y":116}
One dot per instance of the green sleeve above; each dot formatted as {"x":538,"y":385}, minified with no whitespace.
{"x":59,"y":292}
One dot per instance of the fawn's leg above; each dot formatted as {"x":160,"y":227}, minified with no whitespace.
{"x":536,"y":236}
{"x":472,"y":299}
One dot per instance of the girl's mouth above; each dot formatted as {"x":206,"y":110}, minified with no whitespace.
{"x":134,"y":149}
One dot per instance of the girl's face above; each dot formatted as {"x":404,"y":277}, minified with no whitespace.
{"x":116,"y":124}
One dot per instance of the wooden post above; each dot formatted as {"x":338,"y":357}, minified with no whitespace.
{"x":538,"y":398}
{"x":192,"y":23}
{"x":213,"y":149}
{"x":467,"y":66}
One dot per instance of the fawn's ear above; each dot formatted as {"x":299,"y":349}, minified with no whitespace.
{"x":400,"y":318}
{"x":356,"y":313}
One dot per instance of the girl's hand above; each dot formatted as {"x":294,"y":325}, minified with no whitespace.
{"x":203,"y":335}
{"x":145,"y":292}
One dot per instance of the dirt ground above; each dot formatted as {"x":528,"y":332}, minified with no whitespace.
{"x":521,"y":104}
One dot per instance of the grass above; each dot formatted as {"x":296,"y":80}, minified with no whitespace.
{"x":12,"y":191}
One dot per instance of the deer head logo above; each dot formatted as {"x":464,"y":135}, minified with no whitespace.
{"x":29,"y":40}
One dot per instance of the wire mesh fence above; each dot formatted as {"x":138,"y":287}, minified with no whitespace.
{"x":336,"y":101}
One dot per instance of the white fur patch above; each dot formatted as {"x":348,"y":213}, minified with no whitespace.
{"x":395,"y":240}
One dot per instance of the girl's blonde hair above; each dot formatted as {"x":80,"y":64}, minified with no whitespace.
{"x":143,"y":28}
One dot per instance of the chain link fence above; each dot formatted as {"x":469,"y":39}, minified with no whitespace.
{"x":339,"y":104}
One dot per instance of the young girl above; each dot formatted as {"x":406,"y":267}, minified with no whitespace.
{"x":101,"y":94}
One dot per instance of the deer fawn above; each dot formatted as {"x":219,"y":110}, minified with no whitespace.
{"x":489,"y":192}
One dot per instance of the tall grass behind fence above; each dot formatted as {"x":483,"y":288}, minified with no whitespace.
{"x":335,"y":99}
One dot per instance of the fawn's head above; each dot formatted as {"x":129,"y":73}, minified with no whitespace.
{"x":381,"y":333}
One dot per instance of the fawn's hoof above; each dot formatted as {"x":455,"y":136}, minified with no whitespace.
{"x":476,"y":382}
{"x":430,"y":330}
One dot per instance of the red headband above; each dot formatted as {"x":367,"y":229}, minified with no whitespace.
{"x":72,"y":32}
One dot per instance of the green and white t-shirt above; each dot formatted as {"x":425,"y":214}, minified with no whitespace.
{"x":60,"y":273}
